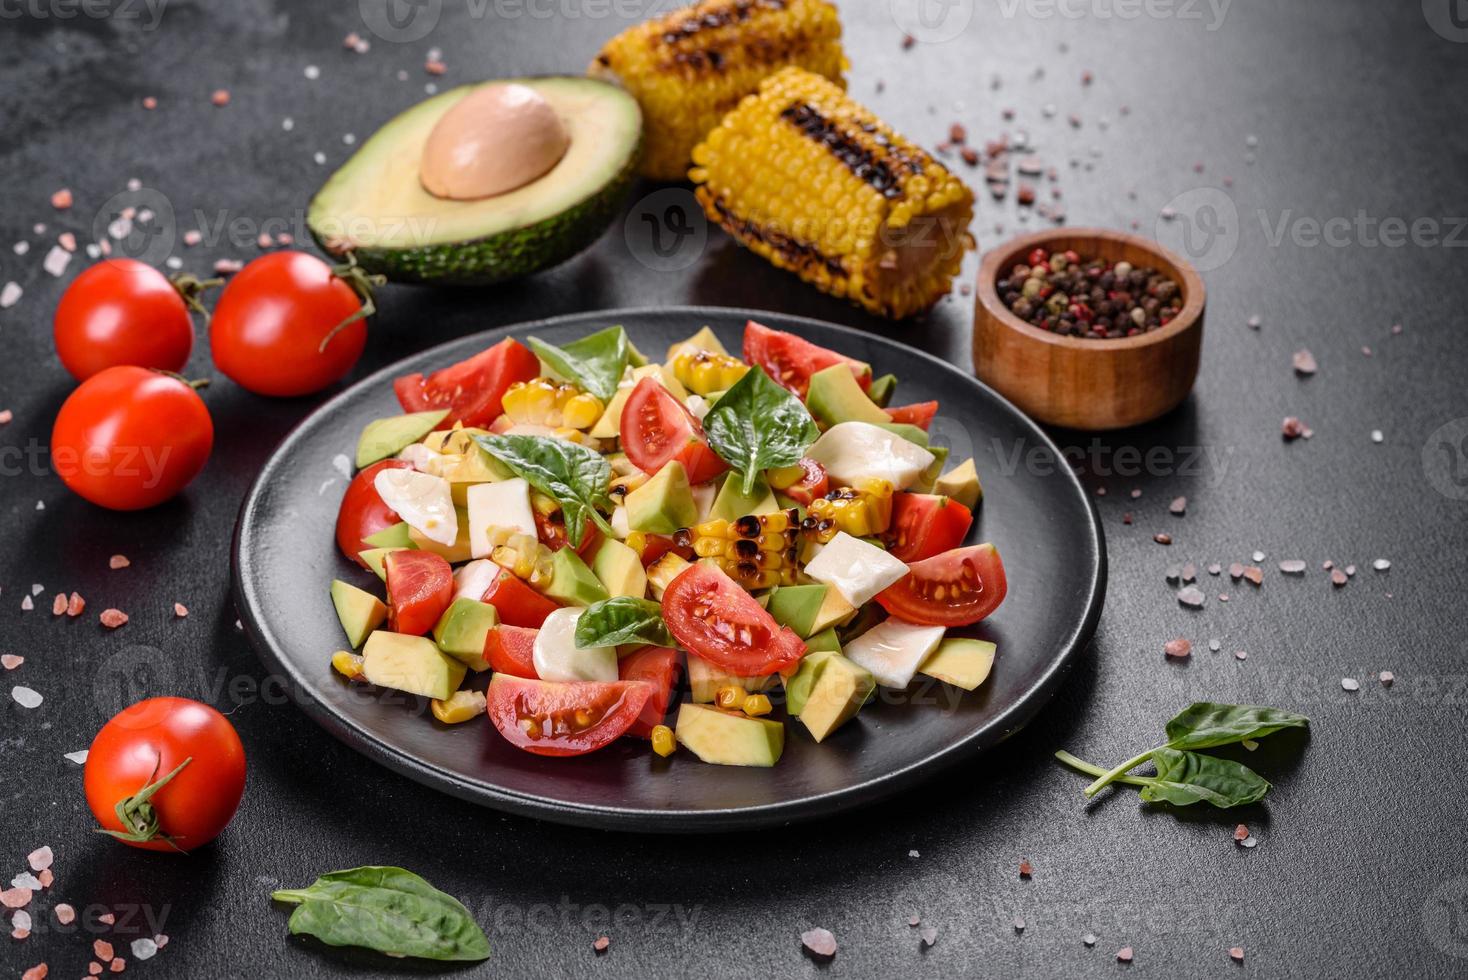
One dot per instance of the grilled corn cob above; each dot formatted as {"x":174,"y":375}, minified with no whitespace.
{"x":689,"y":67}
{"x":757,"y":552}
{"x":544,"y":402}
{"x":861,"y":511}
{"x":704,"y":372}
{"x":820,"y":186}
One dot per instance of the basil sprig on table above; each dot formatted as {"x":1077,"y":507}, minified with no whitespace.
{"x":1185,"y":776}
{"x":387,"y":909}
{"x":623,"y":619}
{"x":577,"y":477}
{"x":595,"y":363}
{"x":758,"y":425}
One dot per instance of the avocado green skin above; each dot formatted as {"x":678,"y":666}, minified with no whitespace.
{"x":508,"y":255}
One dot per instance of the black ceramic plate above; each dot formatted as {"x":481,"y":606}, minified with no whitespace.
{"x":1034,"y":510}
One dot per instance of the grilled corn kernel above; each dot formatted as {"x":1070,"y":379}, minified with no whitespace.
{"x":861,"y":511}
{"x":521,"y":554}
{"x":663,"y":742}
{"x":756,"y":705}
{"x":732,"y":697}
{"x":820,"y":186}
{"x":348,"y":664}
{"x":660,"y":574}
{"x":688,"y":67}
{"x":756,"y":551}
{"x":459,"y":708}
{"x":704,"y":372}
{"x":549,"y":403}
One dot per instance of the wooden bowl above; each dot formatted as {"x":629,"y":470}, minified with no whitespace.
{"x":1088,"y":384}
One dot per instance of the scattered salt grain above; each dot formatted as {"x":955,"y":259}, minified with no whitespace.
{"x":1215,"y":645}
{"x":1192,"y":596}
{"x":1178,"y":507}
{"x":226,"y":267}
{"x":113,"y":618}
{"x":58,"y":605}
{"x":26,"y":604}
{"x":1386,"y":677}
{"x":1338,"y":578}
{"x":1237,"y":953}
{"x":1124,"y":954}
{"x":1241,"y":832}
{"x":1026,"y":870}
{"x":40,"y":859}
{"x":1249,"y":842}
{"x":930,"y":936}
{"x":193,"y":237}
{"x":1304,"y":362}
{"x":56,"y":260}
{"x":144,"y":949}
{"x":37,"y":972}
{"x":312,"y":72}
{"x":1255,"y":322}
{"x":62,"y":199}
{"x":1178,"y":648}
{"x":220,"y":97}
{"x":10,"y":295}
{"x":21,"y":921}
{"x":25,"y":697}
{"x":1163,"y":539}
{"x":15,"y":898}
{"x":107,"y":918}
{"x":1241,"y":655}
{"x":1089,"y":939}
{"x":1350,"y":684}
{"x":10,"y":661}
{"x":1378,"y":436}
{"x":64,"y":913}
{"x":819,"y":941}
{"x":319,"y":158}
{"x":1019,"y":923}
{"x":1292,"y":566}
{"x":27,"y":881}
{"x":75,"y":605}
{"x":180,"y":610}
{"x":79,"y":757}
{"x":912,"y":854}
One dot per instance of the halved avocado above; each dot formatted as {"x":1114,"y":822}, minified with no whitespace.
{"x":376,"y":208}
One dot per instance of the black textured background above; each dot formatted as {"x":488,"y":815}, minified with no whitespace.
{"x":1361,"y":867}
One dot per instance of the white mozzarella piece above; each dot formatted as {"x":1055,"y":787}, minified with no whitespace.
{"x":557,"y":658}
{"x":855,"y":569}
{"x":704,"y":495}
{"x":474,"y":579}
{"x":503,"y":504}
{"x":620,"y":527}
{"x":698,"y":406}
{"x":422,"y":500}
{"x":852,"y":451}
{"x":423,"y":459}
{"x":893,"y":650}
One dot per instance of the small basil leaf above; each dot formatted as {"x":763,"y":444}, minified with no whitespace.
{"x":758,"y":425}
{"x":623,"y":619}
{"x":577,"y":477}
{"x":1204,"y":725}
{"x":387,"y":909}
{"x":1184,"y":778}
{"x":595,"y":363}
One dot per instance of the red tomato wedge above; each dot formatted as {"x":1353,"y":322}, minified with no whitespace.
{"x":920,"y":415}
{"x":552,"y":533}
{"x":791,"y":360}
{"x":471,"y":390}
{"x":518,"y":604}
{"x":709,"y":614}
{"x":972,"y":584}
{"x":564,"y":719}
{"x":812,"y":485}
{"x":654,"y":546}
{"x":420,"y":586}
{"x":511,"y":650}
{"x":362,"y":512}
{"x":924,"y":525}
{"x":658,"y":667}
{"x":657,"y":429}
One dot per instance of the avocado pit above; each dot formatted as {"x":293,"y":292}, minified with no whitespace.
{"x":495,"y":140}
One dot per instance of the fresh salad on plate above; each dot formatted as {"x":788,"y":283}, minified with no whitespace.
{"x":588,"y":527}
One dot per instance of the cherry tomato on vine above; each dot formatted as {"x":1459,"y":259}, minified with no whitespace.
{"x":166,"y":774}
{"x":288,"y":324}
{"x":124,"y":312}
{"x":131,"y":437}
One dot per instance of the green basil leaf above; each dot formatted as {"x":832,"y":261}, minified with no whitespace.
{"x":623,"y":619}
{"x":577,"y":477}
{"x":595,"y":363}
{"x":1184,"y":778}
{"x":387,"y":909}
{"x":1204,"y":725}
{"x":758,"y":425}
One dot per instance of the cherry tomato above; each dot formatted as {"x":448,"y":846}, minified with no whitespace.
{"x":473,"y":389}
{"x":511,"y":650}
{"x":971,"y":582}
{"x":791,"y":360}
{"x":654,"y":546}
{"x":280,"y":327}
{"x":130,"y":437}
{"x":362,"y":512}
{"x":812,"y":485}
{"x":924,"y":525}
{"x":551,"y":530}
{"x":123,"y":312}
{"x":711,"y":616}
{"x":518,"y":603}
{"x":658,"y":667}
{"x":657,"y":429}
{"x":188,"y":751}
{"x":564,"y":719}
{"x":420,"y":586}
{"x":920,"y":415}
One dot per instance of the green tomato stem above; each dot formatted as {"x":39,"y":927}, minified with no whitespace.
{"x":1093,"y":770}
{"x":294,"y":896}
{"x":1112,"y":775}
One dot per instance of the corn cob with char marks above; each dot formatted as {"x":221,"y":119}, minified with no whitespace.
{"x":757,"y":552}
{"x":689,"y":67}
{"x":820,"y":186}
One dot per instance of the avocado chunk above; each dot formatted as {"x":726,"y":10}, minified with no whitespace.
{"x":619,"y":569}
{"x":664,"y":503}
{"x":571,"y":582}
{"x":388,"y":437}
{"x":705,"y":680}
{"x":397,"y":536}
{"x":797,"y":688}
{"x":360,"y":612}
{"x":727,"y":738}
{"x":961,"y":662}
{"x":826,"y":639}
{"x":733,"y":503}
{"x":882,"y":390}
{"x":376,"y":208}
{"x":374,"y":559}
{"x":809,"y":609}
{"x":962,"y":484}
{"x":836,"y":397}
{"x":912,"y":433}
{"x":840,"y":689}
{"x":462,"y":630}
{"x":412,"y":664}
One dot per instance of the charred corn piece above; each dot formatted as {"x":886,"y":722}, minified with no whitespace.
{"x":546,"y":402}
{"x":661,"y":573}
{"x":689,"y":67}
{"x":522,"y":555}
{"x":820,"y":186}
{"x":663,"y":742}
{"x":756,"y":551}
{"x":704,"y":372}
{"x":861,"y":511}
{"x":348,"y":664}
{"x":730,"y":697}
{"x":756,"y":705}
{"x":459,"y":708}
